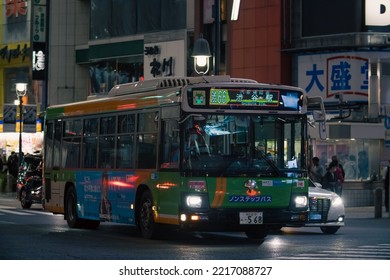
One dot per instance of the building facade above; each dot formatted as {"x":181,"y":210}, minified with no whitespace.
{"x":101,"y":43}
{"x":334,"y":49}
{"x":16,"y":56}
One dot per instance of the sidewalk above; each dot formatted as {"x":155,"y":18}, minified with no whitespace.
{"x":363,"y":212}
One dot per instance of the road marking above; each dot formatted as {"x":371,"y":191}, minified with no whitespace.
{"x":6,"y":207}
{"x":7,"y":223}
{"x":25,"y":212}
{"x":39,"y":212}
{"x":15,"y":212}
{"x":379,"y":251}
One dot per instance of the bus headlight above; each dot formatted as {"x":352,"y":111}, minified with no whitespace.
{"x":194,"y":201}
{"x":300,"y":201}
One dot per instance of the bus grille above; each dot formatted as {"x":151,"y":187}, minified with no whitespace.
{"x":319,"y":208}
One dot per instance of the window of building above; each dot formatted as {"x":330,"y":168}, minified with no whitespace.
{"x":116,"y":18}
{"x":359,"y":157}
{"x":108,"y":73}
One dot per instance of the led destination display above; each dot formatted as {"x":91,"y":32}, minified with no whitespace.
{"x":261,"y":98}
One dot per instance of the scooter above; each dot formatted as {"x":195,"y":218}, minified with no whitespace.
{"x":31,"y":192}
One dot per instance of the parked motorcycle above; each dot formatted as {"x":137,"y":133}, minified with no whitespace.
{"x":31,"y":192}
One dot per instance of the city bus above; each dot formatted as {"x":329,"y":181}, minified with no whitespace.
{"x":210,"y":153}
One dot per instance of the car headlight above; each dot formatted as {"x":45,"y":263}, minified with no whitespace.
{"x":337,"y":201}
{"x":194,"y":201}
{"x":300,"y":201}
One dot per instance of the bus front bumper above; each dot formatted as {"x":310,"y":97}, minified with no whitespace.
{"x":240,"y":219}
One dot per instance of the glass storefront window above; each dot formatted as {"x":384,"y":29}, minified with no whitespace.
{"x":359,"y":157}
{"x":107,"y":74}
{"x":116,"y":18}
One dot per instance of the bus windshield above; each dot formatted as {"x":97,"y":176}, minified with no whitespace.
{"x":241,"y":145}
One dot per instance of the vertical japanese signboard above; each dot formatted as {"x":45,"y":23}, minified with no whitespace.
{"x":39,"y":23}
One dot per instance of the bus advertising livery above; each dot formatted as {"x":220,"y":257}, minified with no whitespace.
{"x":210,"y":153}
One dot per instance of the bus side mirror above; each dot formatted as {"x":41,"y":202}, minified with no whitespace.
{"x":319,"y":116}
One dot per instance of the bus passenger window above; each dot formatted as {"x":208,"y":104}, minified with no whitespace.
{"x":106,"y":151}
{"x":146,"y":149}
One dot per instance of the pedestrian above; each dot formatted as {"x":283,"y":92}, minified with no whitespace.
{"x":316,"y":170}
{"x":11,"y":164}
{"x":329,"y":181}
{"x":386,"y":187}
{"x":350,"y":168}
{"x":340,"y":175}
{"x":363,"y":165}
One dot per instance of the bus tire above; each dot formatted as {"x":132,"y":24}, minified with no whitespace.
{"x":71,"y":215}
{"x":146,"y":222}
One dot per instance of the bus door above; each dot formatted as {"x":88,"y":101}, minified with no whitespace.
{"x":168,"y":181}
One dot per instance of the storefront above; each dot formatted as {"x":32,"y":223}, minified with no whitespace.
{"x":353,"y":86}
{"x":15,"y":58}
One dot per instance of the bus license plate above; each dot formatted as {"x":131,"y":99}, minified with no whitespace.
{"x":251,"y":218}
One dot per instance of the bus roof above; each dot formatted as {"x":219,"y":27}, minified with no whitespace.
{"x":142,"y":94}
{"x":136,"y":95}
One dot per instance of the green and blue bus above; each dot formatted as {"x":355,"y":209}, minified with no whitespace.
{"x":210,"y":153}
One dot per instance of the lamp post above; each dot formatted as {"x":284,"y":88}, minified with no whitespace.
{"x":201,"y":55}
{"x":21,"y":90}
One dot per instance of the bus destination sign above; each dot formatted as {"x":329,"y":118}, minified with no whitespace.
{"x":247,"y":97}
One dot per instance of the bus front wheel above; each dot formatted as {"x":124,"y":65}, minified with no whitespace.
{"x":146,"y":221}
{"x":71,"y":209}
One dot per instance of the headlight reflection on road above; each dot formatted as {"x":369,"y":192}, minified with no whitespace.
{"x":275,"y":243}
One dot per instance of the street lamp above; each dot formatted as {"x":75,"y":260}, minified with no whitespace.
{"x":201,"y":55}
{"x":21,"y":90}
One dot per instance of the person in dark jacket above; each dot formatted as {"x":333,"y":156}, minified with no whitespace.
{"x":330,"y":180}
{"x":340,"y":175}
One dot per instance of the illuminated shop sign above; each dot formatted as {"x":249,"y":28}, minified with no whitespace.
{"x":377,"y":12}
{"x":38,"y":61}
{"x":9,"y":53}
{"x":39,"y":21}
{"x":328,"y":75}
{"x":15,"y":8}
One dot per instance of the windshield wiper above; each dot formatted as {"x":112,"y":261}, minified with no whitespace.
{"x":270,"y":163}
